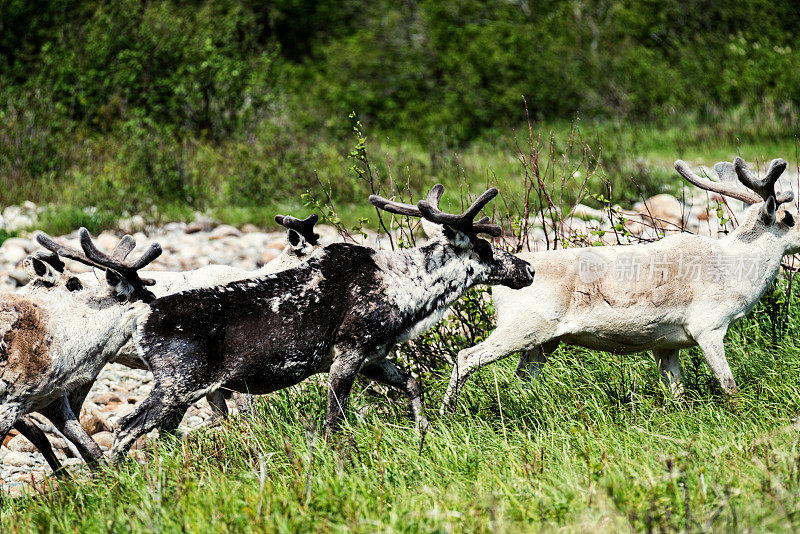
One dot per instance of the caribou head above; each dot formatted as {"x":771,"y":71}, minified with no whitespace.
{"x":460,"y":232}
{"x":769,"y":213}
{"x":122,"y":277}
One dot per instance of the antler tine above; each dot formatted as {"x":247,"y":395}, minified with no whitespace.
{"x":394,"y":207}
{"x":63,"y":250}
{"x":764,"y":187}
{"x":92,"y":256}
{"x":465,"y":220}
{"x":94,"y":253}
{"x":727,"y":188}
{"x":105,"y":261}
{"x":293,"y":222}
{"x":152,"y":252}
{"x":481,"y":201}
{"x":311,"y":220}
{"x":400,"y":208}
{"x":484,"y":226}
{"x":123,"y":248}
{"x":435,"y":195}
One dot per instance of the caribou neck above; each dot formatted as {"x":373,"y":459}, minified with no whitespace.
{"x":762,"y":253}
{"x":423,"y":282}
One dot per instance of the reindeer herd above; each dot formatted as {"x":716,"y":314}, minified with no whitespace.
{"x":341,"y":308}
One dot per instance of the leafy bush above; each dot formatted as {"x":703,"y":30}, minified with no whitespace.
{"x":197,"y":68}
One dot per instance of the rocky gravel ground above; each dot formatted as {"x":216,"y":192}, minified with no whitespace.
{"x":118,"y":388}
{"x":205,"y":241}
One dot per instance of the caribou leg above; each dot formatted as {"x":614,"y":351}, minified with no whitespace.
{"x":501,"y":343}
{"x":67,"y":423}
{"x":158,"y":409}
{"x":341,"y":376}
{"x":711,"y":343}
{"x":532,"y":361}
{"x":34,"y":434}
{"x":389,"y":374}
{"x":219,"y":409}
{"x":670,"y":368}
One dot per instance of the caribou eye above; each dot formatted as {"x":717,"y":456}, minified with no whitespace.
{"x":121,"y":297}
{"x":788,"y":220}
{"x":73,"y":284}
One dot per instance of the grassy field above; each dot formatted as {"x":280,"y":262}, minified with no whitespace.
{"x":594,"y":444}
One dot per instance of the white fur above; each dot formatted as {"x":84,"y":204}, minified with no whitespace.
{"x":661,"y":310}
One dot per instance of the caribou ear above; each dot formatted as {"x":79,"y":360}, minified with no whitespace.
{"x":294,"y":238}
{"x":457,"y":238}
{"x":768,"y":211}
{"x":113,"y":278}
{"x":41,"y":271}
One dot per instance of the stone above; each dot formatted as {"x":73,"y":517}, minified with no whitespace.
{"x":269,"y":254}
{"x":111,"y":406}
{"x":131,"y":224}
{"x":19,"y":276}
{"x":106,"y":241}
{"x":18,"y":459}
{"x":194,"y":421}
{"x":20,"y":444}
{"x":201,"y":223}
{"x":665,"y":207}
{"x":104,"y":439}
{"x":59,"y":443}
{"x":92,"y":419}
{"x":11,"y":434}
{"x":224,"y":230}
{"x":12,"y":254}
{"x":21,"y":242}
{"x":106,"y":398}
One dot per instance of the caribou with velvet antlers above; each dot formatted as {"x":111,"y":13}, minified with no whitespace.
{"x":340,"y":312}
{"x":56,"y":335}
{"x":301,"y":242}
{"x":682,"y":291}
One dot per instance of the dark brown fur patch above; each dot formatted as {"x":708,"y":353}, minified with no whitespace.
{"x":25,"y":345}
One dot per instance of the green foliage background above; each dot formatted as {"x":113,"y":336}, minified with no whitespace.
{"x":173,"y":105}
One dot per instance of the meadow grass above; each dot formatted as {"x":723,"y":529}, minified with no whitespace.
{"x":596,"y":443}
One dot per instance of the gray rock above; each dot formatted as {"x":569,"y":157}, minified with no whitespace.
{"x":224,"y":230}
{"x":20,"y":443}
{"x":18,"y":459}
{"x":19,"y":276}
{"x":12,"y":254}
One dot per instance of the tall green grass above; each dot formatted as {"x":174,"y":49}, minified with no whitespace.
{"x":594,"y":444}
